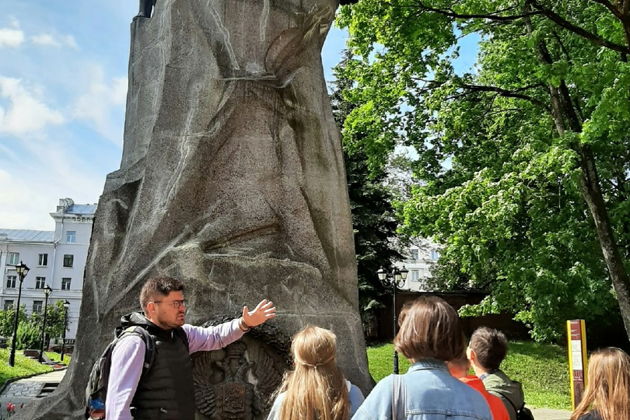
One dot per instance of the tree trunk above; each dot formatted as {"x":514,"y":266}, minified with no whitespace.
{"x":566,"y":118}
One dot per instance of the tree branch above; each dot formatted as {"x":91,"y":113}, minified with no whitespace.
{"x":491,"y":16}
{"x":594,"y":38}
{"x":508,"y":93}
{"x":608,"y":5}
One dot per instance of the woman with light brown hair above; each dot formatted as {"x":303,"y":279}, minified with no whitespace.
{"x":316,"y":389}
{"x":430,"y":335}
{"x":607,"y":395}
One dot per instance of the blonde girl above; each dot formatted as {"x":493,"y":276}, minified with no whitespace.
{"x":607,"y":395}
{"x":316,"y":389}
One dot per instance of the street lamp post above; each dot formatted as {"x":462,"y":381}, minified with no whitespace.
{"x":395,"y":279}
{"x":66,"y":305}
{"x":21,"y":269}
{"x":47,"y":292}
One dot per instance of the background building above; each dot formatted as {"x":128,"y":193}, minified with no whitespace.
{"x":420,"y":258}
{"x":55,"y":258}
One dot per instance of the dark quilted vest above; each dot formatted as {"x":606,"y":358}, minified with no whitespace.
{"x":166,"y":392}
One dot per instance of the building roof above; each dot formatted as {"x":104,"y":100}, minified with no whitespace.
{"x":81,"y":209}
{"x":26,"y":235}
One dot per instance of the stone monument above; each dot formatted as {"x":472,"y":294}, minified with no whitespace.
{"x":232,"y":180}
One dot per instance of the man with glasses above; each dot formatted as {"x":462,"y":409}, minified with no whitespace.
{"x":165,"y":391}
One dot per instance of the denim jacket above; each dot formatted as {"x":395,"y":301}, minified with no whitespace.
{"x":431,"y":393}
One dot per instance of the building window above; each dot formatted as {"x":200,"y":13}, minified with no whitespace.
{"x":40,"y":282}
{"x":43,"y":260}
{"x":414,"y":254}
{"x":8,"y":304}
{"x":65,"y":283}
{"x":11,"y":280}
{"x":13,"y":258}
{"x":37,"y":306}
{"x":415,"y":275}
{"x":71,"y":236}
{"x":68,"y":260}
{"x":435,"y":255}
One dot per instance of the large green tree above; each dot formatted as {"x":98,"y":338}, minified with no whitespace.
{"x":523,"y":162}
{"x":371,"y":200}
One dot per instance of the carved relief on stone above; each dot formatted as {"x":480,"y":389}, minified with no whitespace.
{"x":237,"y":382}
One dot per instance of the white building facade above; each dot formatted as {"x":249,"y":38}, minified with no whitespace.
{"x":420,"y":258}
{"x":55,"y":258}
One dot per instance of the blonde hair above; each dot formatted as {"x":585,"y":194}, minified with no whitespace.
{"x":608,"y":389}
{"x":316,"y":389}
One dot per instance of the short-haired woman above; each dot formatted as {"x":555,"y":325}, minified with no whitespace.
{"x":607,"y":395}
{"x":430,"y":334}
{"x":316,"y":389}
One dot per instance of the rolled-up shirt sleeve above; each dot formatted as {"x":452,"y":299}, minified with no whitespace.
{"x":126,"y":368}
{"x":212,"y":338}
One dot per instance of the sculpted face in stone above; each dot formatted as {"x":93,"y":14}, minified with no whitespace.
{"x":232,"y":180}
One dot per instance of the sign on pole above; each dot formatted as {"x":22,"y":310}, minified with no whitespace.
{"x":576,"y":334}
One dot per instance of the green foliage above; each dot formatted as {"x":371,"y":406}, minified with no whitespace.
{"x":497,"y":179}
{"x":23,"y":366}
{"x":541,"y":368}
{"x":372,"y":213}
{"x":29,"y":335}
{"x":30,"y":326}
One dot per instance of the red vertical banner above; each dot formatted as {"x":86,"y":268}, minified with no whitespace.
{"x":576,"y":335}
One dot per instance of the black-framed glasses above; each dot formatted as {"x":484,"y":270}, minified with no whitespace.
{"x":175,"y":304}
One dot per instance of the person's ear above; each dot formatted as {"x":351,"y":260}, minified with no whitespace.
{"x":149,"y":309}
{"x":470,"y":354}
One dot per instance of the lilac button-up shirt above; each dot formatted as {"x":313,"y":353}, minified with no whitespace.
{"x":128,"y":357}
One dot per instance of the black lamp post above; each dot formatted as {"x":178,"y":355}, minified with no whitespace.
{"x":395,"y":279}
{"x":47,"y":292}
{"x":66,"y":305}
{"x":21,"y":269}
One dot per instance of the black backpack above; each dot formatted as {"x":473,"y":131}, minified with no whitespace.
{"x":522,"y":413}
{"x":96,"y":390}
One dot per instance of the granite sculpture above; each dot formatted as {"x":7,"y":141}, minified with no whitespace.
{"x":232,"y":180}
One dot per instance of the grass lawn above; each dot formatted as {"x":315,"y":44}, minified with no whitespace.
{"x":56,"y":357}
{"x":23,"y":366}
{"x":542,"y":369}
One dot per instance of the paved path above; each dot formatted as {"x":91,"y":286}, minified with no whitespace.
{"x":549,"y":414}
{"x":25,"y":390}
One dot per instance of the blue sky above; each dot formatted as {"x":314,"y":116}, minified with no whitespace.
{"x":63,"y":84}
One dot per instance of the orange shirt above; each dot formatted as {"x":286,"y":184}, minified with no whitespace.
{"x":497,"y":408}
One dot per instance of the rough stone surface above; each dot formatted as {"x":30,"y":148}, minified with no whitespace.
{"x":232,"y":179}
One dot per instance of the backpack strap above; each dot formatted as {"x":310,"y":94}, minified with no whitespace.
{"x":149,"y":342}
{"x":399,"y":405}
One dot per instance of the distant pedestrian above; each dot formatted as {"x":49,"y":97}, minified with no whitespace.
{"x":316,"y":389}
{"x":430,"y":334}
{"x":607,"y":395}
{"x":486,"y":350}
{"x":459,"y":369}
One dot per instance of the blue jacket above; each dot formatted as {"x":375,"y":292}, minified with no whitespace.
{"x":431,"y":393}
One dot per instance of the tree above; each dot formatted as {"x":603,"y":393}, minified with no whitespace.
{"x":523,"y":163}
{"x":30,"y":326}
{"x":372,"y":213}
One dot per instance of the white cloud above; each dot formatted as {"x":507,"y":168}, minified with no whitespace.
{"x":32,"y":190}
{"x":26,"y":112}
{"x":102,"y":103}
{"x":11,"y":37}
{"x":51,"y":40}
{"x":45,"y":39}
